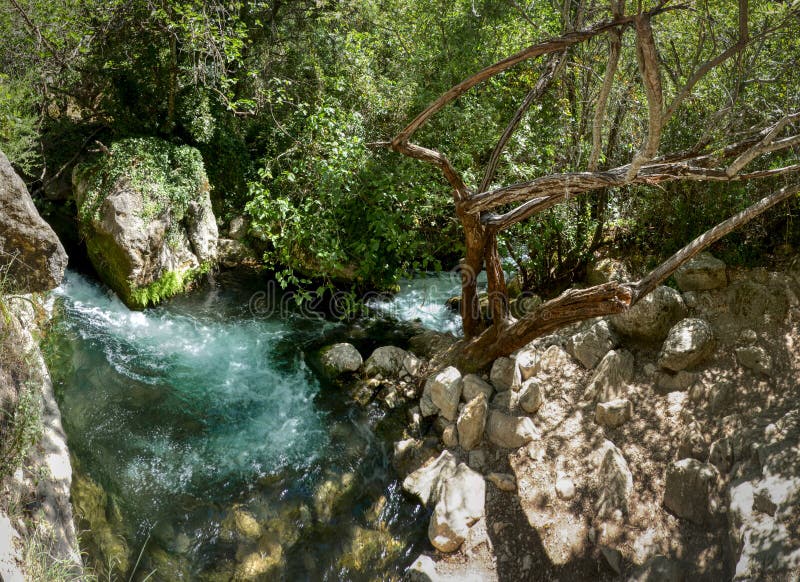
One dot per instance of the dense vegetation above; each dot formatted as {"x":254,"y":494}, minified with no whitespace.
{"x":286,"y":100}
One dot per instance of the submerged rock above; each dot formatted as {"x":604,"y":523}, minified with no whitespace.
{"x":31,"y":256}
{"x":145,"y":213}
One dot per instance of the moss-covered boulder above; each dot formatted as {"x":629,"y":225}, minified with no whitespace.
{"x":145,"y":212}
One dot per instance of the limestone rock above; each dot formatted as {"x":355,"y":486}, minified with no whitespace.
{"x":690,"y":490}
{"x":9,"y":555}
{"x":461,"y":502}
{"x":238,"y":227}
{"x":149,"y":229}
{"x":502,"y":374}
{"x":530,"y":395}
{"x":429,"y":343}
{"x":614,"y":413}
{"x":764,"y":510}
{"x":341,"y":358}
{"x":392,"y":362}
{"x":555,"y":361}
{"x":689,"y":342}
{"x":510,"y":432}
{"x":444,"y":389}
{"x":425,"y":481}
{"x":667,"y":381}
{"x":527,"y":363}
{"x":756,"y":358}
{"x":616,"y":482}
{"x":701,"y":273}
{"x":474,"y":385}
{"x":652,"y":317}
{"x":472,"y":422}
{"x":611,"y":377}
{"x":565,"y":488}
{"x":692,"y":443}
{"x":31,"y":256}
{"x":589,"y":346}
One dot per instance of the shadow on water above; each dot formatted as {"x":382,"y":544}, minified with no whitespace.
{"x":200,"y":432}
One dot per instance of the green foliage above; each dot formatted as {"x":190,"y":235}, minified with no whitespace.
{"x":168,"y":285}
{"x":167,"y":176}
{"x":18,"y":125}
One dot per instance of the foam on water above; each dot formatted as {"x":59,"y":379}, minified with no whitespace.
{"x":175,"y":403}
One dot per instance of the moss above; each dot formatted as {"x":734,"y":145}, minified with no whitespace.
{"x":168,"y":285}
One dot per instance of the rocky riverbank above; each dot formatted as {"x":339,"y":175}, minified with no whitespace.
{"x":660,"y":444}
{"x":37,"y":532}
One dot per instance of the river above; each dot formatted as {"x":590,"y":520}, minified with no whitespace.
{"x":208,"y":446}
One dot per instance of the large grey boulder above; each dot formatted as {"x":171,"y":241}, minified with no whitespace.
{"x":510,"y":432}
{"x":689,"y":342}
{"x":690,"y":491}
{"x":392,"y":362}
{"x":145,"y":214}
{"x":589,"y":346}
{"x":701,"y":273}
{"x":651,"y":318}
{"x":31,"y":256}
{"x":340,"y":358}
{"x":612,"y":376}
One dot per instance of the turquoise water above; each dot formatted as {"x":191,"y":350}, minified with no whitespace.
{"x":185,"y":412}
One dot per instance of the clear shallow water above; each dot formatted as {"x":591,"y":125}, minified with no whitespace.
{"x":188,"y":413}
{"x":422,"y":300}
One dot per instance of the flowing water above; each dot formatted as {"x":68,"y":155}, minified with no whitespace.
{"x":207,"y":446}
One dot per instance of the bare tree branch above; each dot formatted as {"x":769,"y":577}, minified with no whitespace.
{"x":553,"y":45}
{"x":614,"y":49}
{"x":647,"y":57}
{"x":554,"y":67}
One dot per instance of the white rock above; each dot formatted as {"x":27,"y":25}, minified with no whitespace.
{"x":444,"y":389}
{"x":450,"y":436}
{"x":461,"y":502}
{"x":472,"y":422}
{"x":389,"y":361}
{"x":611,"y":377}
{"x":474,"y":385}
{"x":614,"y":413}
{"x":341,"y":358}
{"x":651,"y":318}
{"x":589,"y":347}
{"x":510,"y":432}
{"x":690,"y":490}
{"x":502,"y":374}
{"x":530,"y":395}
{"x":616,"y":482}
{"x":565,"y":488}
{"x":756,"y":358}
{"x":689,"y":342}
{"x":426,"y":481}
{"x":527,"y":363}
